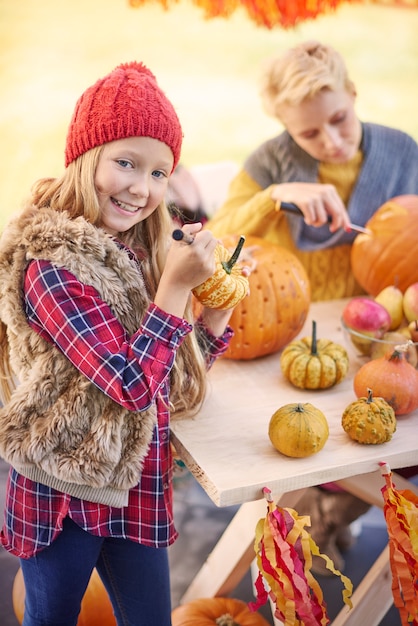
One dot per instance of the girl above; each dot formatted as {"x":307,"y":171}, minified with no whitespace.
{"x":96,"y":327}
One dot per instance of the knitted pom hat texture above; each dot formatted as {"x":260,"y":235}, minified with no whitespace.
{"x":126,"y":103}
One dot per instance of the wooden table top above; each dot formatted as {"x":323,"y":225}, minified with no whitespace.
{"x":227,"y":448}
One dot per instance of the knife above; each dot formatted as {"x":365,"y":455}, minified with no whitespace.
{"x":289,"y":207}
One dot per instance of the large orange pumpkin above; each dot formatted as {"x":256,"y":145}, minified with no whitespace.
{"x":216,"y":611}
{"x":388,"y":255}
{"x":276,"y":308}
{"x":96,"y":608}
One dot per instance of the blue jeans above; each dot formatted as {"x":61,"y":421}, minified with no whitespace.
{"x":136,"y":578}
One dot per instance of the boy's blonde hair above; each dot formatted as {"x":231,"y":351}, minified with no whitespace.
{"x":301,"y":73}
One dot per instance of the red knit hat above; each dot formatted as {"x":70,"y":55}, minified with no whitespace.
{"x":126,"y":103}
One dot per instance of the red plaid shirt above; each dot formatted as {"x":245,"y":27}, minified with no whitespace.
{"x":133,"y":371}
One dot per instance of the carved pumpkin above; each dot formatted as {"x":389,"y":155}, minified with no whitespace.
{"x":227,"y":286}
{"x":369,"y":420}
{"x":96,"y":608}
{"x":392,"y":378}
{"x":312,"y":363}
{"x":298,"y":430}
{"x":389,"y":253}
{"x":216,"y":612}
{"x":277,"y":305}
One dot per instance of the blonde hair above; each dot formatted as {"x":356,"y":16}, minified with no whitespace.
{"x":75,"y":193}
{"x":301,"y":73}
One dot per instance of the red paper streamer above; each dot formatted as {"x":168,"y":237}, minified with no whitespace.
{"x":284,"y":557}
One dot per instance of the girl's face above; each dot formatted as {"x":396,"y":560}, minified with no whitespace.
{"x":325,"y":126}
{"x":131,"y":181}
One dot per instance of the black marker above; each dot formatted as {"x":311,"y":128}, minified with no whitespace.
{"x":180,"y":235}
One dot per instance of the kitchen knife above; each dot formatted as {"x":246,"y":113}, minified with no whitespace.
{"x":289,"y":207}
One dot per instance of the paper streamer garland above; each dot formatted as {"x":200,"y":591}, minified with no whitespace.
{"x":284,"y":552}
{"x":401,"y":514}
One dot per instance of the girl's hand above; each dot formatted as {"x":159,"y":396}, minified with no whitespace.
{"x":187,"y":266}
{"x":191,"y":260}
{"x":316,"y":201}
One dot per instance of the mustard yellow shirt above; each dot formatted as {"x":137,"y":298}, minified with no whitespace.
{"x":328,"y":270}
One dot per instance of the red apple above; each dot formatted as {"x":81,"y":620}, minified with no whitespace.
{"x":368,"y":318}
{"x":410,"y":302}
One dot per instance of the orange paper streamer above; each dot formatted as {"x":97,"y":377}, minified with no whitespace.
{"x":284,"y":552}
{"x":401,"y":514}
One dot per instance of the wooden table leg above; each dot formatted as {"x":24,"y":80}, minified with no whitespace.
{"x":233,"y":554}
{"x":373,"y":597}
{"x":231,"y":558}
{"x":368,"y":486}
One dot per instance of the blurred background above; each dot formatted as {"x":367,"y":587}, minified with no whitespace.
{"x":51,"y":51}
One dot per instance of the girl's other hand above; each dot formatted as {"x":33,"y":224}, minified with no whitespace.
{"x":217,"y":320}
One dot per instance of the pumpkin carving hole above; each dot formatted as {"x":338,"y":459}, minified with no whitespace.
{"x":279,"y":288}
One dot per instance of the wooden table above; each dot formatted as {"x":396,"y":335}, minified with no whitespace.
{"x":227,"y":448}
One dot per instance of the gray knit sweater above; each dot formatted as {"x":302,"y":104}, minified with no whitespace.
{"x":390,"y":168}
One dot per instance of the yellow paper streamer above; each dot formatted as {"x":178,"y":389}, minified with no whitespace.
{"x":401,"y":514}
{"x":284,"y":552}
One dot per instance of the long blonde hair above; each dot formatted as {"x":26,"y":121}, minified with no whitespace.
{"x":301,"y":73}
{"x":75,"y":193}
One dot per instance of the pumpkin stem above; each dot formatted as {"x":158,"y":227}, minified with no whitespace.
{"x":314,"y":350}
{"x":369,"y":396}
{"x":226,"y":620}
{"x":228,"y":265}
{"x":400,"y":351}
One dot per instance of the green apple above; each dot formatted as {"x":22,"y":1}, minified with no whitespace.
{"x":392,"y":299}
{"x":413,"y":330}
{"x":410,"y":302}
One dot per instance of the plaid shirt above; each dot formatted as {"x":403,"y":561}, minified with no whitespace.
{"x":133,"y":371}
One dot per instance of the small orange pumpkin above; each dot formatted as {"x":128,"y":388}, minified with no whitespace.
{"x":227,"y":286}
{"x":389,"y":253}
{"x":275,"y":309}
{"x":392,"y":378}
{"x":96,"y":608}
{"x":216,"y":612}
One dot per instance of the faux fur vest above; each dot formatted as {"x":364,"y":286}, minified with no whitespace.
{"x":58,"y":428}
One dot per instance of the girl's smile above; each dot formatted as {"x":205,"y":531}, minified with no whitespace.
{"x":131,"y":181}
{"x":127,"y":207}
